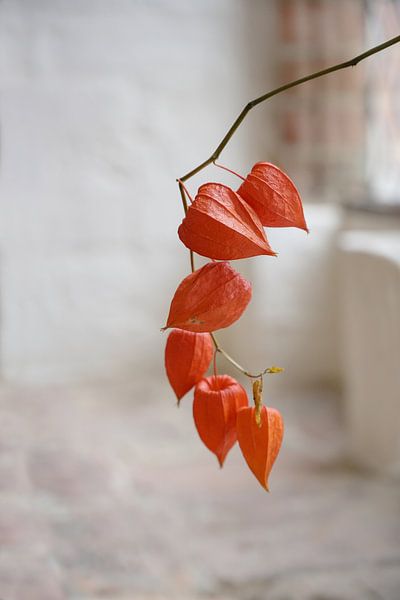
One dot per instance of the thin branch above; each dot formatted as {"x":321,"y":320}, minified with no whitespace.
{"x":229,"y":170}
{"x":344,"y":65}
{"x":268,"y":370}
{"x":183,"y":192}
{"x":183,"y":196}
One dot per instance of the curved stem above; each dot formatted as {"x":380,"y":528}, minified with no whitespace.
{"x":268,"y":370}
{"x":235,"y":125}
{"x":215,"y":364}
{"x":183,"y":191}
{"x":182,"y":185}
{"x":229,"y":170}
{"x":183,"y":196}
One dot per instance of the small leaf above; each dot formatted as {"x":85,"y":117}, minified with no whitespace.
{"x":273,"y":196}
{"x":187,"y":358}
{"x":211,"y":298}
{"x":272,"y":370}
{"x":216,"y":403}
{"x":260,"y":444}
{"x":219,"y":224}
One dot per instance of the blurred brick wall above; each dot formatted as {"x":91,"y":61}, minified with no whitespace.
{"x":382,"y":173}
{"x":320,"y":124}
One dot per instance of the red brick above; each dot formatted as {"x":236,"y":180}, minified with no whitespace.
{"x":287,"y":20}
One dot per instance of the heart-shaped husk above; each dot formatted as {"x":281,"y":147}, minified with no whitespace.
{"x":273,"y":196}
{"x":215,"y":406}
{"x":219,"y":224}
{"x":187,"y":358}
{"x":211,"y":298}
{"x":260,"y":444}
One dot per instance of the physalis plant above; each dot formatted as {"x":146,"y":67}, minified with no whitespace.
{"x":223,"y":225}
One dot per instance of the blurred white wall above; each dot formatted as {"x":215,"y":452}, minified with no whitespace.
{"x":103,"y":104}
{"x":370,"y":345}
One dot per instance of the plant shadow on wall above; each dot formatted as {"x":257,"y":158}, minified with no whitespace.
{"x":222,"y":224}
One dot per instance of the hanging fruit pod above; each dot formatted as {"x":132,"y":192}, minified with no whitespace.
{"x":187,"y":358}
{"x":219,"y":224}
{"x":273,"y":196}
{"x":260,"y":439}
{"x":217,"y":400}
{"x":211,"y":298}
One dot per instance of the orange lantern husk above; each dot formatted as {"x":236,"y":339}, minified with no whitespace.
{"x":217,"y":400}
{"x":211,"y":298}
{"x":273,"y":196}
{"x":187,"y":358}
{"x":219,"y":224}
{"x":260,"y":440}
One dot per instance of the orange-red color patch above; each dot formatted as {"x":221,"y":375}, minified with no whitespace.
{"x":216,"y":403}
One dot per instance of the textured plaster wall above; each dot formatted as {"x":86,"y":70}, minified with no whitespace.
{"x":103,"y":104}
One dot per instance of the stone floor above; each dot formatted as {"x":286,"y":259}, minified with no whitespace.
{"x":108,"y":494}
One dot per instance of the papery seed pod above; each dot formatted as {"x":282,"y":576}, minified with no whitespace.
{"x":215,"y":406}
{"x":211,"y":298}
{"x":187,"y":358}
{"x":260,"y":443}
{"x":273,"y":196}
{"x":219,"y":224}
